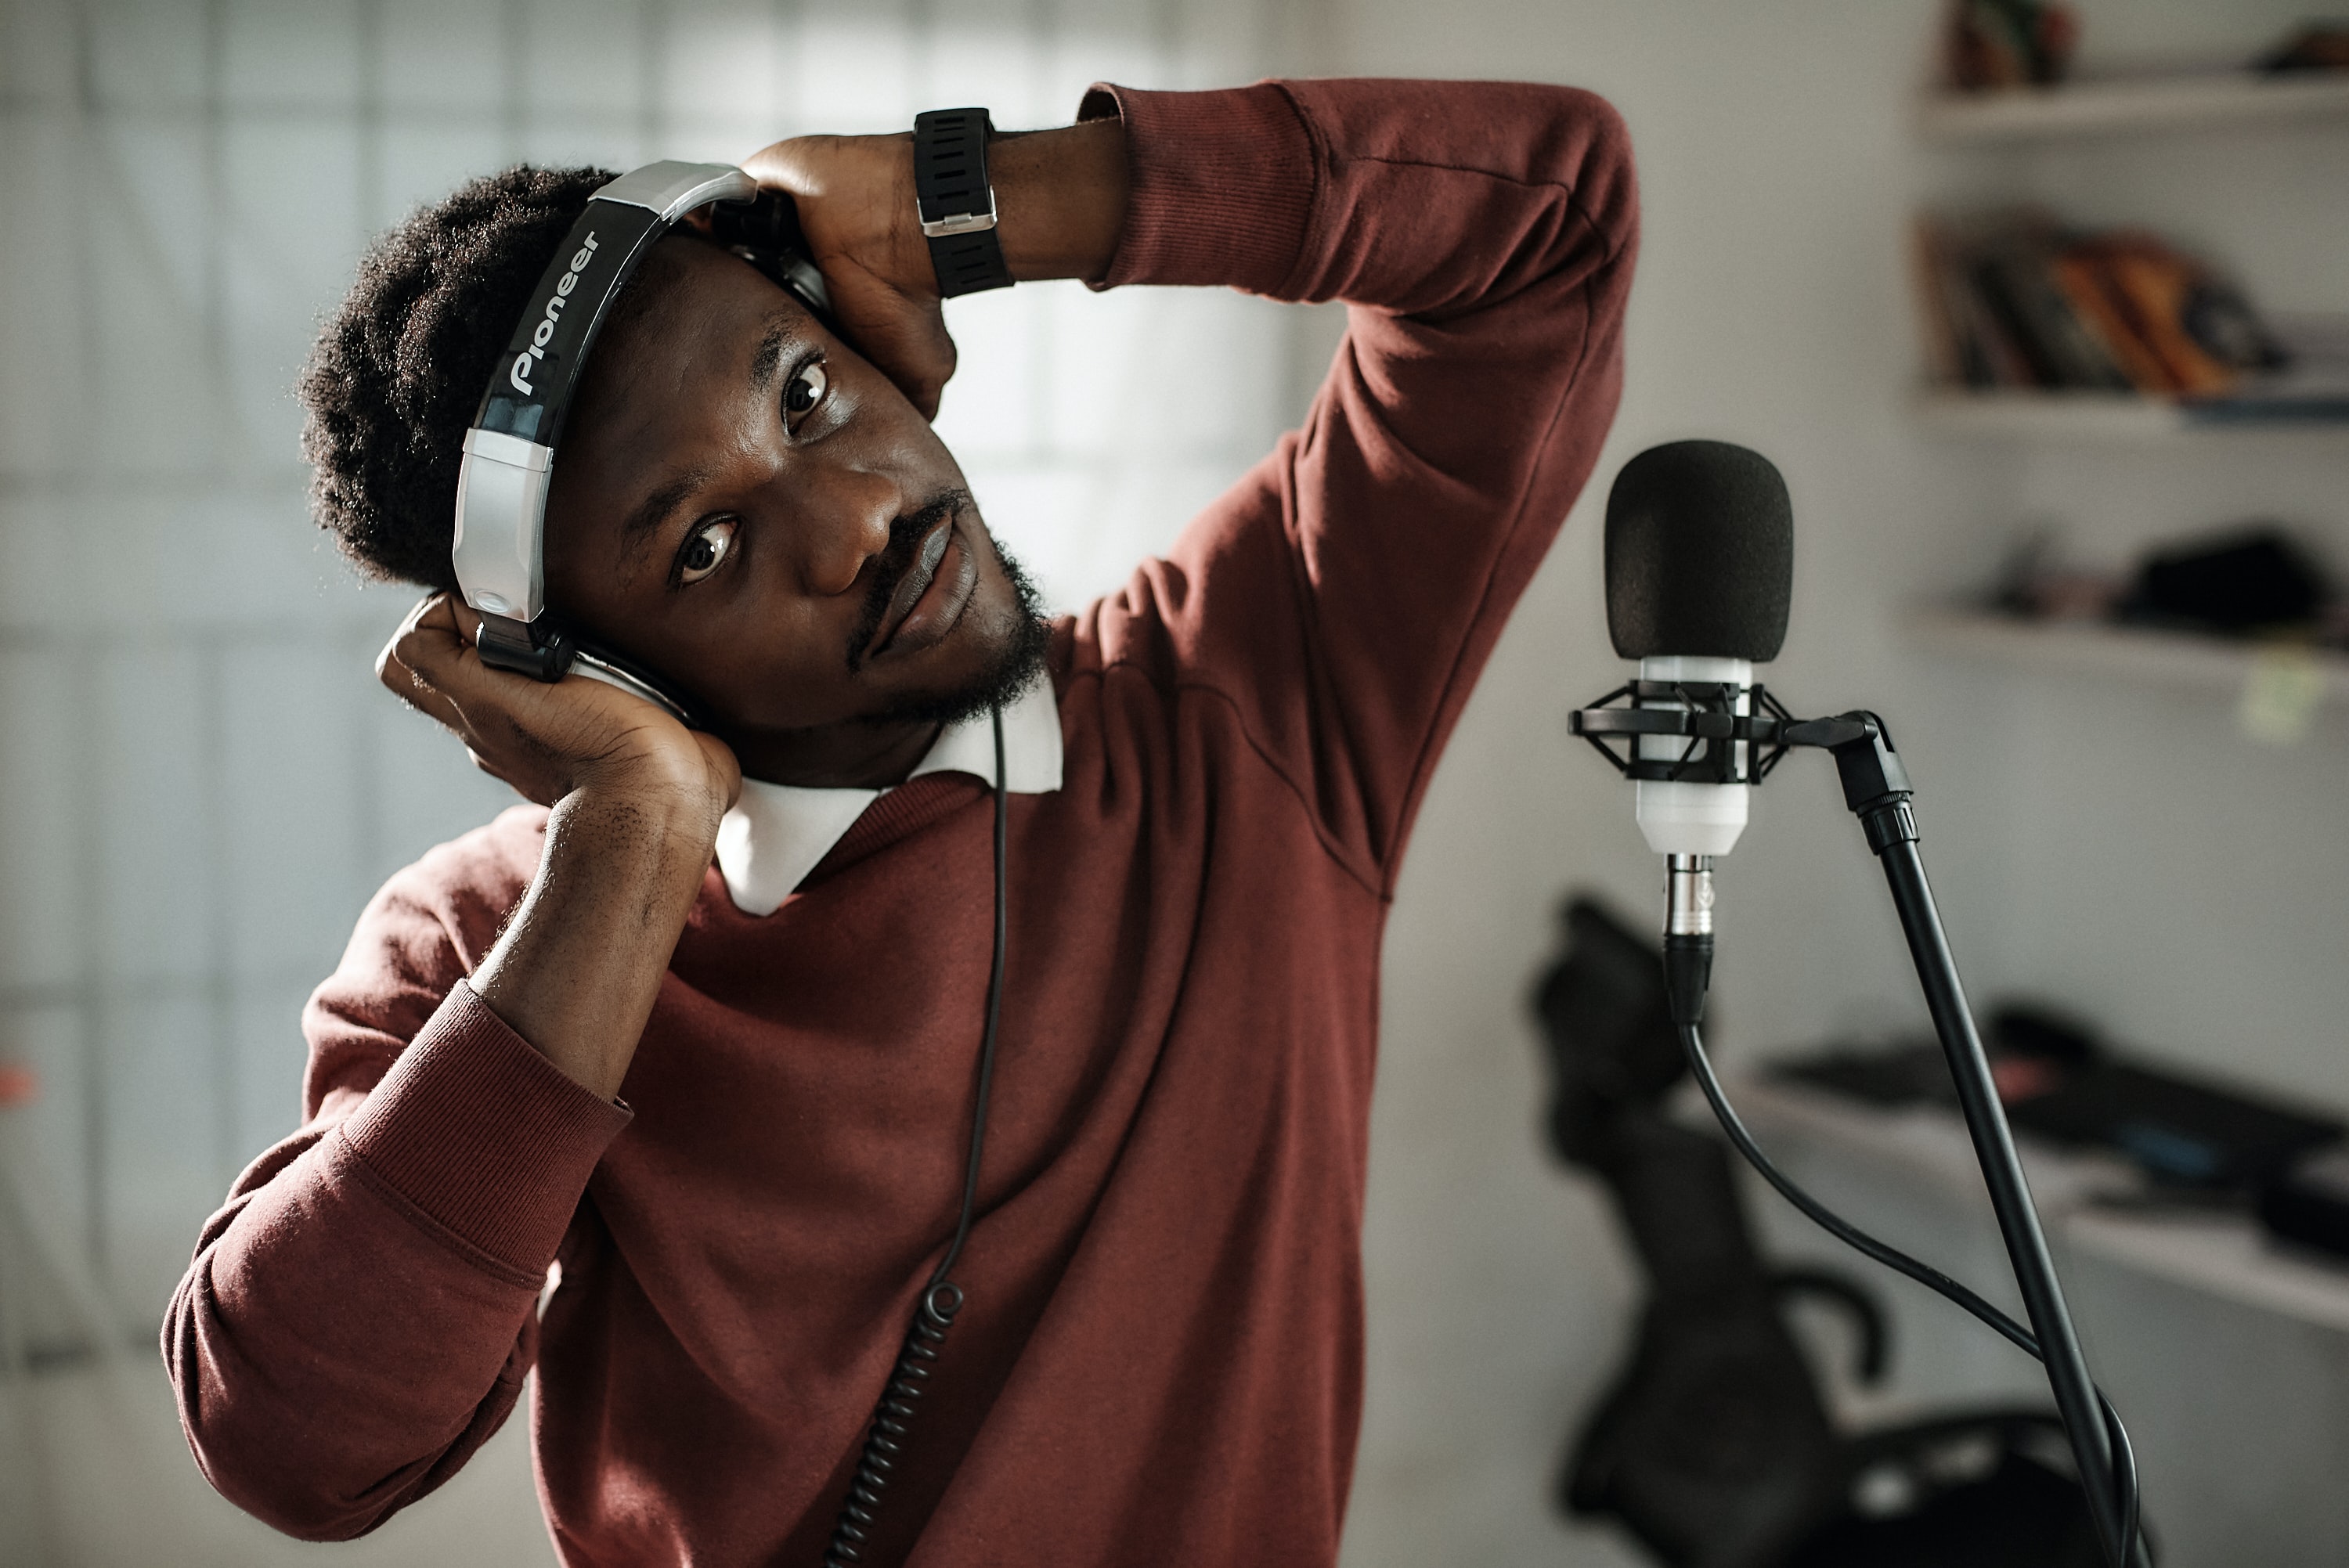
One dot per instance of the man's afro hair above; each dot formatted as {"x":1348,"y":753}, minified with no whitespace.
{"x":397,"y":373}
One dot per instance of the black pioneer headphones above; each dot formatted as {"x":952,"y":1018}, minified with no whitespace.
{"x":499,"y":549}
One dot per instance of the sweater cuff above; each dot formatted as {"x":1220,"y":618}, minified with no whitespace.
{"x":1222,"y":186}
{"x":483,"y":1135}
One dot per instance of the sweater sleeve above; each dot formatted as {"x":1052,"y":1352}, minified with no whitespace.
{"x":1345,"y":594}
{"x":358,"y":1318}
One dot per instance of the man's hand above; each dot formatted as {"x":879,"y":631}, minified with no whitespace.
{"x":855,"y":200}
{"x":549,"y":740}
{"x":1060,"y":198}
{"x":636,"y":799}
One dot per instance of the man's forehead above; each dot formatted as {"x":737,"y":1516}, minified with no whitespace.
{"x":691,"y":301}
{"x":711,"y":331}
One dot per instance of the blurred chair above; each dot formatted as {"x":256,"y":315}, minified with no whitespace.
{"x":1713,"y":1447}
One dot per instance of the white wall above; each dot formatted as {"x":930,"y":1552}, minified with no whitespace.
{"x":2115,"y":848}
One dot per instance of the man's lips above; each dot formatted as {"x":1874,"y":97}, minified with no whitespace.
{"x":929,"y":600}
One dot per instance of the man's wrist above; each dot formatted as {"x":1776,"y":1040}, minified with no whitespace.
{"x":955,"y":201}
{"x":1059,"y":199}
{"x":647,"y":810}
{"x":580,"y":962}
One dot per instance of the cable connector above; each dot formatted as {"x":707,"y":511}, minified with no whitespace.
{"x":1688,"y":935}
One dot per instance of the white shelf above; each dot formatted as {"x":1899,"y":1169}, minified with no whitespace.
{"x":2098,"y":416}
{"x":2163,"y":659}
{"x":2226,"y":1256}
{"x":2131,"y":104}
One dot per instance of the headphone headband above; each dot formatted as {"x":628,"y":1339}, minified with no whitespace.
{"x":499,"y":552}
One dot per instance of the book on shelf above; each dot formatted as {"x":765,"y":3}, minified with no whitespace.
{"x":2016,"y":301}
{"x":1993,"y":44}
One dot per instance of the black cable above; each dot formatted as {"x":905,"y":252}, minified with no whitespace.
{"x":987,"y":1040}
{"x":933,"y":1314}
{"x":2124,"y":1481}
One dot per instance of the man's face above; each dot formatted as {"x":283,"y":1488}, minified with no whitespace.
{"x":749,"y":508}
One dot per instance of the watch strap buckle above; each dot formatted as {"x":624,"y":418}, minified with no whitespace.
{"x":953,"y":200}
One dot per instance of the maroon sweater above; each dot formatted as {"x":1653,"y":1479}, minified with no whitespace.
{"x":1160,"y":1359}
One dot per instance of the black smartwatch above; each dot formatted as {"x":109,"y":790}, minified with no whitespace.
{"x":956,"y":202}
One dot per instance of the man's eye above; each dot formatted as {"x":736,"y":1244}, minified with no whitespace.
{"x":705,"y":550}
{"x":807,"y":387}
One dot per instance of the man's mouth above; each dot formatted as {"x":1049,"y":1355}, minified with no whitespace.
{"x":928,"y":600}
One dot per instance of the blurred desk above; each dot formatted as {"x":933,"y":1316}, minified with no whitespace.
{"x":2225,"y":1254}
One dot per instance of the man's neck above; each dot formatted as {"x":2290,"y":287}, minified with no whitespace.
{"x":855,"y":755}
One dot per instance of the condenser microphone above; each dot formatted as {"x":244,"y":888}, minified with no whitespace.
{"x":1700,"y":561}
{"x":1700,"y":565}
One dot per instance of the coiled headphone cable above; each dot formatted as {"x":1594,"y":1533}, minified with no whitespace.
{"x":933,"y":1314}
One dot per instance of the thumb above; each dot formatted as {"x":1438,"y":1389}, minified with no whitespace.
{"x":905,"y":337}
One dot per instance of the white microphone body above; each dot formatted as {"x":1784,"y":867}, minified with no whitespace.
{"x":1686,"y":819}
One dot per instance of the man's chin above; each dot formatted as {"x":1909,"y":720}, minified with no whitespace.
{"x":1014,"y":638}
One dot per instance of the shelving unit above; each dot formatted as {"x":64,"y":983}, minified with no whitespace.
{"x":2227,"y":1256}
{"x":2137,"y":106}
{"x":2312,"y":422}
{"x":2165,"y":658}
{"x":2118,"y":417}
{"x":2227,"y":1349}
{"x":2131,"y":105}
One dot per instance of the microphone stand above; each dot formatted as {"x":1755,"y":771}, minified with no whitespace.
{"x":1876,"y":788}
{"x":1726,"y":746}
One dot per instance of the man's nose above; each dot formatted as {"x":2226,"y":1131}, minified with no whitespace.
{"x":846,"y":521}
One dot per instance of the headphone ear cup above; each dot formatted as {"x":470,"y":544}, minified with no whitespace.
{"x":766,"y":232}
{"x":768,"y":222}
{"x":599,"y":663}
{"x":806,"y":283}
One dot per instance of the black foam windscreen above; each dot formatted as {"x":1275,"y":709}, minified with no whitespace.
{"x":1700,"y":554}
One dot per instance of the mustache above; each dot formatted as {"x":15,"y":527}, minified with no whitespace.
{"x":889,"y":568}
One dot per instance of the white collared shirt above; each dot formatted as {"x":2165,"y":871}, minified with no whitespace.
{"x":777,"y":833}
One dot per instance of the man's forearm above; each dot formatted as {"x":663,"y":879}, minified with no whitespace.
{"x":1060,"y":197}
{"x":579,"y":965}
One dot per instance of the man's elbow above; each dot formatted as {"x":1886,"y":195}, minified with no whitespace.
{"x":1587,"y":150}
{"x":267,"y":1459}
{"x":281,"y":1486}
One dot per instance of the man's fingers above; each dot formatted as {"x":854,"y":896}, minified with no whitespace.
{"x":426,"y":656}
{"x":907,"y":341}
{"x":935,"y":358}
{"x":424,"y":633}
{"x":719,"y":758}
{"x":437,"y":645}
{"x":402,"y":681}
{"x":537,"y":736}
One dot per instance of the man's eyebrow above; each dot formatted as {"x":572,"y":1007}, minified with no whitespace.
{"x":655,"y":508}
{"x":768,"y":358}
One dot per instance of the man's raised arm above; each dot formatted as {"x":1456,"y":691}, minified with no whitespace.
{"x":1344,"y":596}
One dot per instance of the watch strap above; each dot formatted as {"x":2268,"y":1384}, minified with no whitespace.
{"x":954,"y":201}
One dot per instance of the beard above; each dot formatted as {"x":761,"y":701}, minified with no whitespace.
{"x":1017,"y":638}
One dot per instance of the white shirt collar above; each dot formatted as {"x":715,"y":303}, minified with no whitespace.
{"x":777,"y":833}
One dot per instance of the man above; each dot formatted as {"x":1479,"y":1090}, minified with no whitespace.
{"x":700,"y":1028}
